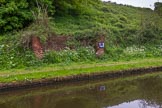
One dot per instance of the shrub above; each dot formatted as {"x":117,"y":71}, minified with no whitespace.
{"x":14,"y":15}
{"x":11,"y":57}
{"x":78,"y":55}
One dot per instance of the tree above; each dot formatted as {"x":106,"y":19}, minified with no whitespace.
{"x":17,"y":14}
{"x":158,"y":8}
{"x":14,"y":14}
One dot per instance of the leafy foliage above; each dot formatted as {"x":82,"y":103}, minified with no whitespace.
{"x":66,"y":56}
{"x":72,"y":7}
{"x":14,"y":14}
{"x":13,"y":56}
{"x":17,"y":14}
{"x":158,"y":8}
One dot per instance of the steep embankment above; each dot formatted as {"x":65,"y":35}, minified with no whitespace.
{"x":130,"y":32}
{"x":123,"y":25}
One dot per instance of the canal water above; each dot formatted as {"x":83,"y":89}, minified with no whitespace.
{"x":128,"y":92}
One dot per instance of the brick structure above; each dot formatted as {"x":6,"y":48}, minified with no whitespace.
{"x":56,"y":43}
{"x":37,"y":47}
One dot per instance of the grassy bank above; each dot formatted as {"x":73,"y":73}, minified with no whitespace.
{"x":61,"y":70}
{"x":131,"y":34}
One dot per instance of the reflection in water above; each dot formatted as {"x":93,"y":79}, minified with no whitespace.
{"x":132,"y":92}
{"x":135,"y":104}
{"x":72,"y":103}
{"x":102,"y":88}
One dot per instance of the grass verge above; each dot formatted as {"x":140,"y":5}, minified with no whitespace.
{"x":62,"y":70}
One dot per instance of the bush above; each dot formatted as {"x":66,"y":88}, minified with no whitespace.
{"x":78,"y":55}
{"x":14,"y":15}
{"x":73,"y":7}
{"x":158,"y":8}
{"x":17,"y":14}
{"x":11,"y":57}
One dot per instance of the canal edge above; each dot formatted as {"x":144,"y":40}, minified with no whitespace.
{"x":76,"y":78}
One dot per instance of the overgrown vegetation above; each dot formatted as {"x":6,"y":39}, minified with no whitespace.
{"x":130,"y":32}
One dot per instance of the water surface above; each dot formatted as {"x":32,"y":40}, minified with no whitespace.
{"x":130,"y":92}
